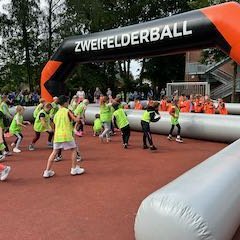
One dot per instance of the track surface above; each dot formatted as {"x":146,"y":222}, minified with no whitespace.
{"x":102,"y":203}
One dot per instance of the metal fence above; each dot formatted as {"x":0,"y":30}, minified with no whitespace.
{"x":188,"y":88}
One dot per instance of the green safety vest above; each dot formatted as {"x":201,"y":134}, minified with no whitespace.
{"x":146,"y":116}
{"x":174,"y":120}
{"x":5,"y":109}
{"x":105,"y":113}
{"x":2,"y":146}
{"x":38,"y":127}
{"x":97,"y":125}
{"x":14,"y":127}
{"x":79,"y":111}
{"x":1,"y":121}
{"x":121,"y":118}
{"x":37,"y":110}
{"x":63,"y":126}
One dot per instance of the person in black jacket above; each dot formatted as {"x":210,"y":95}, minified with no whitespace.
{"x":151,"y":114}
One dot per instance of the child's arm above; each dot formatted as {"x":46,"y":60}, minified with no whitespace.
{"x":73,"y":117}
{"x":19,"y":123}
{"x":1,"y":134}
{"x":114,"y":120}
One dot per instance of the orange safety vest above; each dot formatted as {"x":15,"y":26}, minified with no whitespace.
{"x":222,"y":109}
{"x":198,"y":106}
{"x":138,"y":106}
{"x":163,"y":106}
{"x":209,"y":108}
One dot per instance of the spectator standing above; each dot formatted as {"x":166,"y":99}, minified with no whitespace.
{"x":97,"y":95}
{"x":109,"y":92}
{"x":81,"y":94}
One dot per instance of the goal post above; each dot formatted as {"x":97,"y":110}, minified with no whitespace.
{"x":188,"y":88}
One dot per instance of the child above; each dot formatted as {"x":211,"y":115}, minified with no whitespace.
{"x":97,"y":125}
{"x":74,"y":103}
{"x":106,"y":118}
{"x":149,"y":116}
{"x":63,"y":137}
{"x":80,"y":112}
{"x":42,"y":124}
{"x":221,"y":107}
{"x":174,"y":112}
{"x":16,"y":128}
{"x":39,"y":107}
{"x":120,"y":120}
{"x":3,"y":125}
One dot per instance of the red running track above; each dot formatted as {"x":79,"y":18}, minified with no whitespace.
{"x":102,"y":203}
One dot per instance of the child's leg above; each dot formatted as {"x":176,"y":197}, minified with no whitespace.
{"x":128,"y":132}
{"x":74,"y":157}
{"x":36,"y":138}
{"x":5,"y":143}
{"x":51,"y":158}
{"x":19,"y":140}
{"x":171,"y":130}
{"x":50,"y":136}
{"x":106,"y":131}
{"x":179,"y":129}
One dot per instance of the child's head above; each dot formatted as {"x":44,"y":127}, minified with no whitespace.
{"x":155,"y":105}
{"x":55,"y":99}
{"x":47,"y":107}
{"x":104,"y":100}
{"x":42,"y":100}
{"x":63,"y":101}
{"x":20,"y":109}
{"x":97,"y":115}
{"x":115,"y":105}
{"x":85,"y":102}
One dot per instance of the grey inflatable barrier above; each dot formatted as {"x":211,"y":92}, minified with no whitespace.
{"x":202,"y":204}
{"x":220,"y":128}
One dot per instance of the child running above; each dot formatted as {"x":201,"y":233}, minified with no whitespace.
{"x":80,"y":112}
{"x":42,"y":124}
{"x":149,"y":115}
{"x":63,"y":138}
{"x":120,"y":120}
{"x":16,"y":128}
{"x":97,"y":125}
{"x":106,"y":118}
{"x":174,"y":112}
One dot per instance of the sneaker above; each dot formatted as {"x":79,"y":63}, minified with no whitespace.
{"x":125,"y":145}
{"x":170,"y":137}
{"x":2,"y":157}
{"x":4,"y":173}
{"x":179,"y":139}
{"x":48,"y":173}
{"x":77,"y":171}
{"x":50,"y":144}
{"x":31,"y":147}
{"x":145,"y":147}
{"x":58,"y":158}
{"x":12,"y":144}
{"x":153,"y":148}
{"x":5,"y":153}
{"x":79,"y":133}
{"x":16,"y":150}
{"x":79,"y":158}
{"x":108,"y":140}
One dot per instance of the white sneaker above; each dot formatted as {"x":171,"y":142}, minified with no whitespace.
{"x":4,"y":173}
{"x":179,"y":139}
{"x":50,"y":144}
{"x":31,"y":147}
{"x":48,"y":173}
{"x":5,"y":153}
{"x":2,"y":157}
{"x":58,"y":158}
{"x":16,"y":150}
{"x":77,"y":171}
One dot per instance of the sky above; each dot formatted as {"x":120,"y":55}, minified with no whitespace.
{"x":134,"y":64}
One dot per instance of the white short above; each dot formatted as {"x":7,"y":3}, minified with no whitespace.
{"x":64,"y":145}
